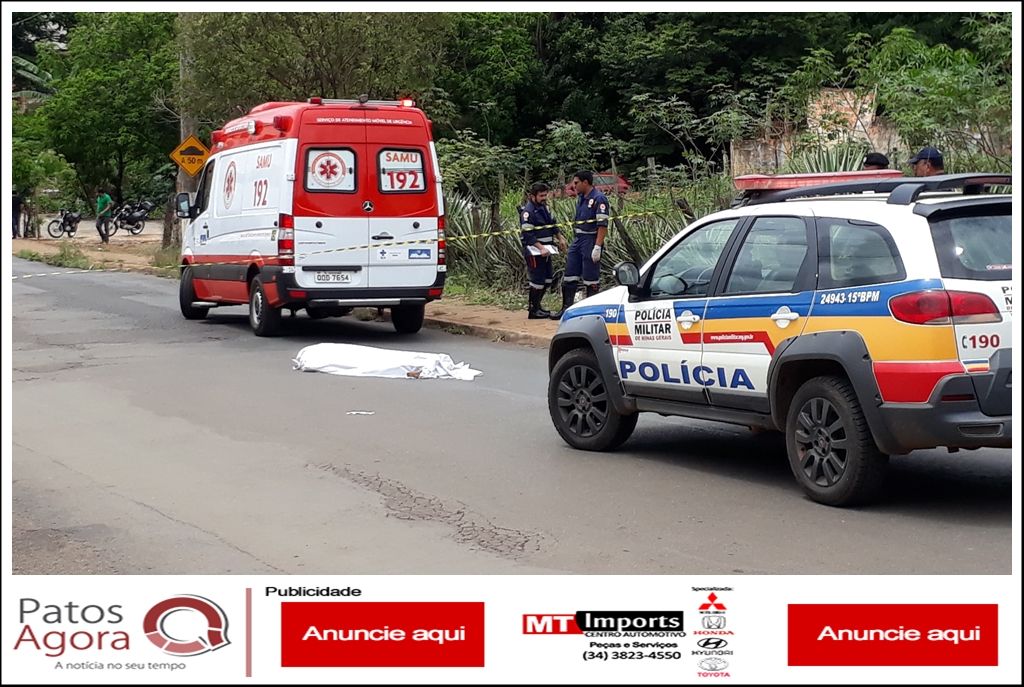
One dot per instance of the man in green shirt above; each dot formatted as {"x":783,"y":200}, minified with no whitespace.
{"x":104,"y":208}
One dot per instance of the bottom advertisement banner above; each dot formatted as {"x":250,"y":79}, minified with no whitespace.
{"x":536,"y":629}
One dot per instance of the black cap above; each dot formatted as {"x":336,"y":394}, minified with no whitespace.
{"x":928,"y":153}
{"x":877,"y":160}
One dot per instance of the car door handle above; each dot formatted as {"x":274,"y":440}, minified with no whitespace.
{"x":382,"y":237}
{"x":691,"y":319}
{"x":787,"y":316}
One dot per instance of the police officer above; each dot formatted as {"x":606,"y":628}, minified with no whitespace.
{"x":590,"y":228}
{"x":538,"y":235}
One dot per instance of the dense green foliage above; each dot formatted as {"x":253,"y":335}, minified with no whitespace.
{"x":514,"y":96}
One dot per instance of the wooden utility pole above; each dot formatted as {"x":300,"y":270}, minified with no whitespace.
{"x":189,"y":126}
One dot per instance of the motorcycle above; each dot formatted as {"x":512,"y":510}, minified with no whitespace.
{"x":66,"y":222}
{"x":131,"y":216}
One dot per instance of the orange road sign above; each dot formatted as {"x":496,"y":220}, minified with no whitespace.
{"x":190,"y":155}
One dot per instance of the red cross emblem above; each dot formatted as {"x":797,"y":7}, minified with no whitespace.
{"x":229,"y":185}
{"x":328,"y":169}
{"x":712,"y":604}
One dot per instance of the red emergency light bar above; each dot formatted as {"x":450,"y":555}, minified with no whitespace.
{"x":778,"y":182}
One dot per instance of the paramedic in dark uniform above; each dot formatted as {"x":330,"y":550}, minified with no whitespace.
{"x":590,"y":228}
{"x":539,"y":234}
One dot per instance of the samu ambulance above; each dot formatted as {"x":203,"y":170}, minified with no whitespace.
{"x":325,"y":206}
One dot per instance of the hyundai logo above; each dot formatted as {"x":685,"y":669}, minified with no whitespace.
{"x":712,"y":643}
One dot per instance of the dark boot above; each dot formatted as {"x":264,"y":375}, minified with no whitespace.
{"x":593,"y":289}
{"x":537,"y":312}
{"x":568,"y":296}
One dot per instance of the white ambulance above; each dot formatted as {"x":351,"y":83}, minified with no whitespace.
{"x":325,"y":206}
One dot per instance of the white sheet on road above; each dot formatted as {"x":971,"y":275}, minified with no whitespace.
{"x":367,"y":361}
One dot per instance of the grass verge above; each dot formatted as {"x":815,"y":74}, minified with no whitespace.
{"x":69,"y":255}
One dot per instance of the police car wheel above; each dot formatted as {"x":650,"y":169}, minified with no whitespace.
{"x":187,"y":296}
{"x":831,"y":451}
{"x":580,"y":405}
{"x":264,"y":319}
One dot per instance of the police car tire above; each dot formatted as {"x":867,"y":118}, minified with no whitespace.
{"x":187,"y":296}
{"x":407,"y":319}
{"x":267,"y":320}
{"x":865,"y":466}
{"x":617,"y":428}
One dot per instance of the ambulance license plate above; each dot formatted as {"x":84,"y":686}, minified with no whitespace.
{"x":332,"y":277}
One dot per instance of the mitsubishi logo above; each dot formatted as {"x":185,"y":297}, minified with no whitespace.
{"x":367,"y":206}
{"x":712,"y":603}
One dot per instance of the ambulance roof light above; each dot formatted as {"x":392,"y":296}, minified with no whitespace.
{"x":316,"y":100}
{"x":364,"y":98}
{"x":407,"y":102}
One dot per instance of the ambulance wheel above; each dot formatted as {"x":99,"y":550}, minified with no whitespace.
{"x":831,"y":451}
{"x":580,"y":406}
{"x":187,"y":296}
{"x":263,"y":317}
{"x":407,"y":319}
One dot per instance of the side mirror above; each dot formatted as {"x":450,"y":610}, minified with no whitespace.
{"x":183,"y":206}
{"x":627,"y":274}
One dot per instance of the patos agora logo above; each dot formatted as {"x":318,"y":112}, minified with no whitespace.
{"x":215,"y":636}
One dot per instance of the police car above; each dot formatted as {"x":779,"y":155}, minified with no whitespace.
{"x":863,"y":314}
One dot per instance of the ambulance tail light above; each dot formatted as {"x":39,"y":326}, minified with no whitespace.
{"x":938,"y":307}
{"x":286,"y":240}
{"x":282,"y":123}
{"x":442,"y":245}
{"x":216,"y":137}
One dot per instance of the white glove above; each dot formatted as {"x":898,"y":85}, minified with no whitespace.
{"x":595,"y":254}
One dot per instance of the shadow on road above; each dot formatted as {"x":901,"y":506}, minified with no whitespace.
{"x":969,"y":486}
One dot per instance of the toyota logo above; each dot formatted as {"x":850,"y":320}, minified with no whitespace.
{"x":712,"y":643}
{"x":367,"y":206}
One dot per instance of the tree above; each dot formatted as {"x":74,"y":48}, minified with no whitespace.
{"x":243,"y":59}
{"x":490,"y":69}
{"x":105,"y":115}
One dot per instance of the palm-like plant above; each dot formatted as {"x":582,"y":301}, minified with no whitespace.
{"x":39,"y":80}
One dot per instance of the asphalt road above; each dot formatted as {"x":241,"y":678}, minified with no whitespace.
{"x":144,"y":443}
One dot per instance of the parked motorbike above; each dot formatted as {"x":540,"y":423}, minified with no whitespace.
{"x":131,"y":217}
{"x":66,"y":222}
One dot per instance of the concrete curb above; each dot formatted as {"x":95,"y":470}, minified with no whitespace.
{"x":488,"y":332}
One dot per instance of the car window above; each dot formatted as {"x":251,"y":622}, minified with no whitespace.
{"x":600,"y":179}
{"x":770,"y":258}
{"x":855,"y":254}
{"x":975,"y":246}
{"x":686,"y":269}
{"x":401,"y":171}
{"x":203,"y":192}
{"x":330,"y":170}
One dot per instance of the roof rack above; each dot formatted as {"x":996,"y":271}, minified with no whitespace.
{"x":901,"y":190}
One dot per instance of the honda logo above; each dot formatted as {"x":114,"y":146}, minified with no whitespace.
{"x":713,"y":622}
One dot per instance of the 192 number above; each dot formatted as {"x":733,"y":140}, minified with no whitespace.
{"x":980,"y":341}
{"x":409,"y":179}
{"x":259,"y":192}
